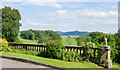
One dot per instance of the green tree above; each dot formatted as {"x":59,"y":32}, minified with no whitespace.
{"x":43,"y":38}
{"x":118,"y":53}
{"x":83,"y":39}
{"x":99,"y":40}
{"x":10,"y":24}
{"x":0,"y":24}
{"x":119,"y":33}
{"x":119,"y":37}
{"x":69,"y":40}
{"x":93,"y":35}
{"x":27,"y":35}
{"x":53,"y":35}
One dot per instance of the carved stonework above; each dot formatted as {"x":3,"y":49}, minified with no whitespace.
{"x":105,"y":41}
{"x":105,"y":55}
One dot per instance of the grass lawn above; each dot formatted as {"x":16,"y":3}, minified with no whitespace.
{"x":73,"y":40}
{"x":54,"y":62}
{"x":64,"y":40}
{"x":26,"y":41}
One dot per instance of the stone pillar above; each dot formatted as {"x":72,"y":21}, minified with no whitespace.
{"x":106,"y":55}
{"x":108,"y":61}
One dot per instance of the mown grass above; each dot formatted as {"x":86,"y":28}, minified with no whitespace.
{"x":54,"y":62}
{"x":27,"y":41}
{"x":64,"y":40}
{"x":72,"y":40}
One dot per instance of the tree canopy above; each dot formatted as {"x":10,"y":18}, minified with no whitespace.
{"x":93,"y":35}
{"x":10,"y":23}
{"x":41,"y":36}
{"x":83,"y":39}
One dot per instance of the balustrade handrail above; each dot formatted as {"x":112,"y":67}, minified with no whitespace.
{"x":11,"y":43}
{"x":76,"y":47}
{"x":96,"y":58}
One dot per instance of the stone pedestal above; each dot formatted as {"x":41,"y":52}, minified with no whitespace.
{"x":105,"y":58}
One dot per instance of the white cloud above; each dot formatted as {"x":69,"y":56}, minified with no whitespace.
{"x":0,"y":5}
{"x":8,"y":4}
{"x":87,"y":13}
{"x":73,"y":6}
{"x":115,"y":6}
{"x":53,"y":3}
{"x":114,"y":13}
{"x":94,"y":13}
{"x":38,"y":24}
{"x":92,"y":16}
{"x":62,"y":12}
{"x":12,"y":0}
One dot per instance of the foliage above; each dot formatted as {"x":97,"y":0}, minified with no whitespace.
{"x":88,"y":45}
{"x":41,"y":36}
{"x":87,"y":51}
{"x":112,"y":39}
{"x":4,"y":45}
{"x":117,"y":54}
{"x":119,"y":33}
{"x":18,"y":41}
{"x":53,"y":35}
{"x":93,"y":35}
{"x":99,"y":41}
{"x":10,"y":24}
{"x":83,"y":39}
{"x":72,"y":57}
{"x":27,"y":35}
{"x":54,"y":49}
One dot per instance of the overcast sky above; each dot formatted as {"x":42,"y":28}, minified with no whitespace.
{"x":67,"y":16}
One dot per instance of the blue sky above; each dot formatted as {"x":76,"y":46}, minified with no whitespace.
{"x":68,"y":16}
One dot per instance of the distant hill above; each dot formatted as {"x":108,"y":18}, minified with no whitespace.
{"x":72,"y":33}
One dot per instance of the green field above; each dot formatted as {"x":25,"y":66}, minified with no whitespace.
{"x":73,"y":40}
{"x":64,"y":40}
{"x":26,"y":41}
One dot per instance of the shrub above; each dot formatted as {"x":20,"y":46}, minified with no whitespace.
{"x":3,"y":43}
{"x":88,"y":45}
{"x":54,"y":49}
{"x":18,"y":41}
{"x":72,"y":57}
{"x":4,"y":46}
{"x":87,"y":50}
